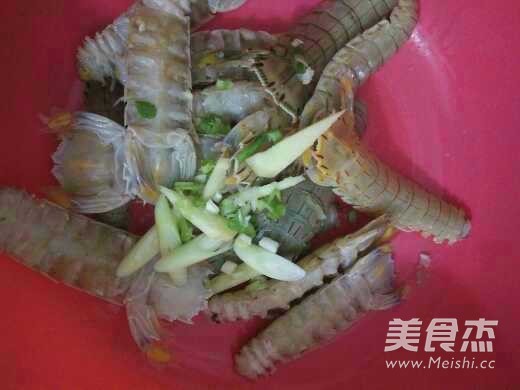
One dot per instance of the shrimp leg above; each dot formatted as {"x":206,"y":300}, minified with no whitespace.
{"x":325,"y":262}
{"x":366,"y":287}
{"x":361,"y":180}
{"x":360,"y":58}
{"x":226,"y":54}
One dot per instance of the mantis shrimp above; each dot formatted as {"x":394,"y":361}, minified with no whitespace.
{"x":340,"y":161}
{"x":365,"y":287}
{"x":360,"y":58}
{"x":84,"y":254}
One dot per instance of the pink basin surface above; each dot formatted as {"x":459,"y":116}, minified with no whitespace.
{"x":445,"y":111}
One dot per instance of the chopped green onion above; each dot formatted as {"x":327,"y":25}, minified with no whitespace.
{"x":223,"y":282}
{"x":207,"y":166}
{"x":166,"y":223}
{"x":223,"y":85}
{"x":146,"y":109}
{"x":188,"y":186}
{"x":271,"y":137}
{"x":273,"y":204}
{"x":274,"y":160}
{"x":217,"y":178}
{"x":265,"y":262}
{"x":228,"y":207}
{"x":300,"y":67}
{"x":214,"y":226}
{"x":253,"y":194}
{"x":194,"y":251}
{"x":169,"y":236}
{"x":185,"y":228}
{"x":213,"y":124}
{"x":141,"y":253}
{"x":241,"y":224}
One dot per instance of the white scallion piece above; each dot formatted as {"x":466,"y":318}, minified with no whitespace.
{"x":199,"y":249}
{"x":212,"y":207}
{"x":228,"y":267}
{"x":214,"y":226}
{"x":141,"y":253}
{"x":279,"y":156}
{"x":217,"y":179}
{"x":169,"y":236}
{"x":269,"y":244}
{"x":265,"y":262}
{"x":254,"y":193}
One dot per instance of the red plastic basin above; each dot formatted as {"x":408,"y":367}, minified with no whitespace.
{"x":444,"y":111}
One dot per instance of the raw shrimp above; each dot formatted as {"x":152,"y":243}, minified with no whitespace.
{"x":365,"y":287}
{"x":84,"y":254}
{"x":300,"y":55}
{"x":360,"y":179}
{"x":226,"y":54}
{"x":325,"y":262}
{"x":360,"y":58}
{"x":159,"y":78}
{"x":233,"y":104}
{"x":67,"y":247}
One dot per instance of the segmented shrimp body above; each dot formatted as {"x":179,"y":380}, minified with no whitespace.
{"x":158,"y":63}
{"x":365,"y":287}
{"x":360,"y":179}
{"x":68,"y":247}
{"x":290,"y":72}
{"x":359,"y":59}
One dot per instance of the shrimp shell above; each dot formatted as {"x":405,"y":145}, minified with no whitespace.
{"x":324,"y":262}
{"x":360,"y":179}
{"x":65,"y":246}
{"x":359,"y":59}
{"x":158,"y":64}
{"x":367,"y":286}
{"x":321,"y":33}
